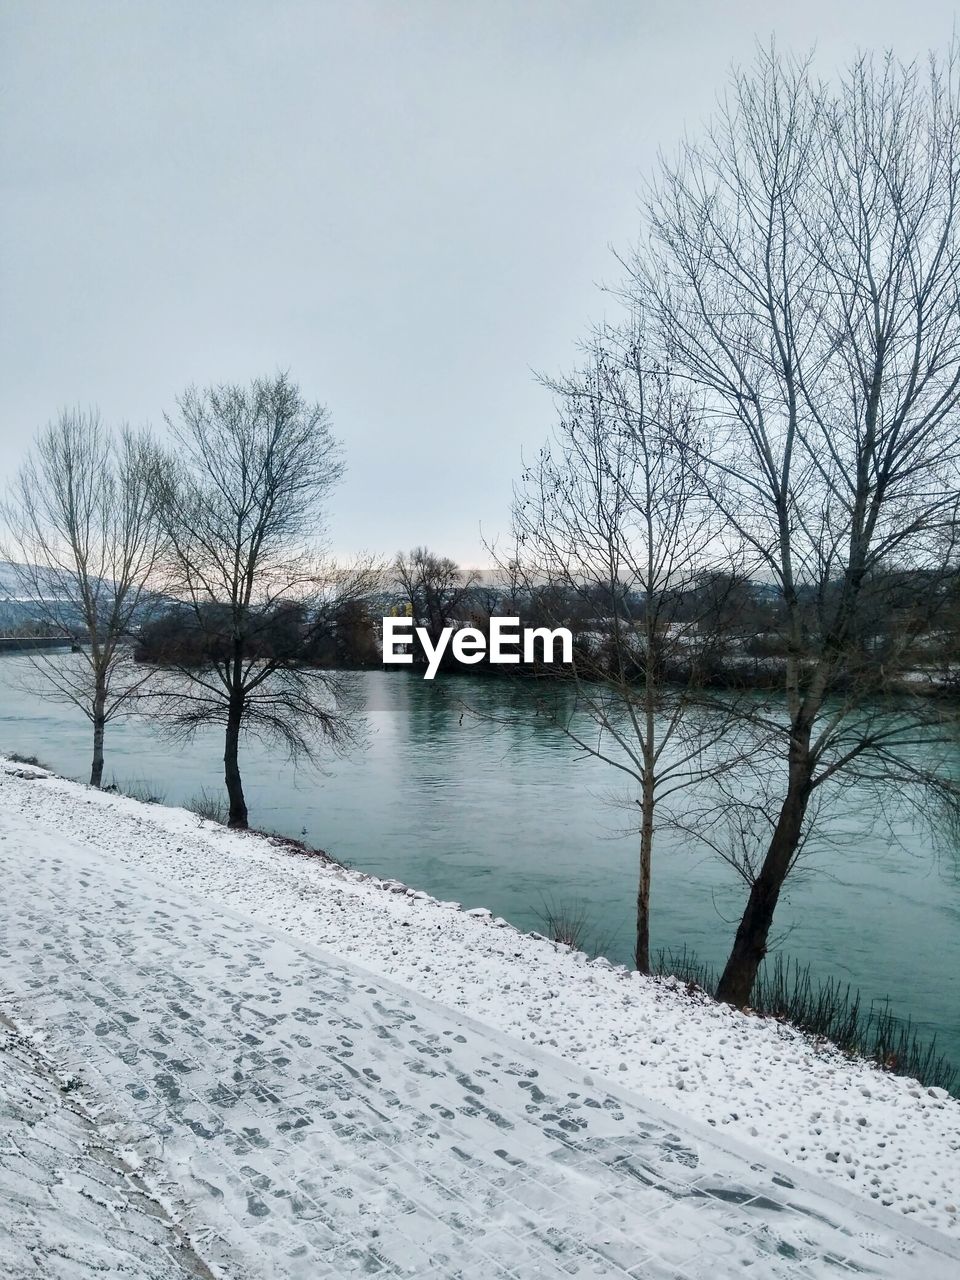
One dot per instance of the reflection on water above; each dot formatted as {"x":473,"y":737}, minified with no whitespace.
{"x":502,"y":813}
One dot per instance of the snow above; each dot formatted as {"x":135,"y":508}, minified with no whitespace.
{"x":11,"y":581}
{"x":74,"y":1205}
{"x":881,"y":1140}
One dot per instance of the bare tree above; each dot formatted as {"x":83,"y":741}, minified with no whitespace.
{"x":436,"y":589}
{"x":803,"y":268}
{"x":613,"y":516}
{"x":84,"y":538}
{"x":243,"y":508}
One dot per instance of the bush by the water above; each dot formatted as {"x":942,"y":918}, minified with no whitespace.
{"x":16,"y":758}
{"x":209,"y":805}
{"x":142,"y":789}
{"x":831,"y":1009}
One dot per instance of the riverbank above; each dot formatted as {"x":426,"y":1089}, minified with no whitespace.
{"x":882,"y":1137}
{"x":510,"y":817}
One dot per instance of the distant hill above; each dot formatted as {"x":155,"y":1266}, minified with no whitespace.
{"x":10,"y":588}
{"x":15,"y":610}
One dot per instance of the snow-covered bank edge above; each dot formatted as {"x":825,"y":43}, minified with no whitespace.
{"x":879,"y":1136}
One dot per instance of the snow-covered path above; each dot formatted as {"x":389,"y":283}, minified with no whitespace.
{"x":71,"y":1205}
{"x":314,"y":1120}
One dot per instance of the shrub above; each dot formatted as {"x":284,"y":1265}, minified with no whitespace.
{"x":141,"y":789}
{"x":834,"y":1011}
{"x":210,"y":805}
{"x":16,"y":758}
{"x":569,"y":923}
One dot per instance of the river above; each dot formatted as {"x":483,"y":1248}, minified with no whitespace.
{"x":511,"y":818}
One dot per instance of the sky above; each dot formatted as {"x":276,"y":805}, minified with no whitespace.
{"x":411,"y":205}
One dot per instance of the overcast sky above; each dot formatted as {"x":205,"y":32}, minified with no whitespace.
{"x":409,"y":204}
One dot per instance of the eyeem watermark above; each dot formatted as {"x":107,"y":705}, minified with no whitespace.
{"x":507,"y":643}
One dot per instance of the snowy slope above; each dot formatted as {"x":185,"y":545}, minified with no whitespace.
{"x":306,"y":1119}
{"x":882,"y":1137}
{"x":11,"y":587}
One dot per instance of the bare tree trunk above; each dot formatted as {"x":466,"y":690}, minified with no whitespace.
{"x":802,"y":306}
{"x":642,"y":954}
{"x":85,"y":534}
{"x":231,"y":768}
{"x":99,"y":724}
{"x":243,"y":496}
{"x":616,"y":535}
{"x":750,"y":944}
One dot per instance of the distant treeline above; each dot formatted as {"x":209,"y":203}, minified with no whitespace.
{"x":724,"y":630}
